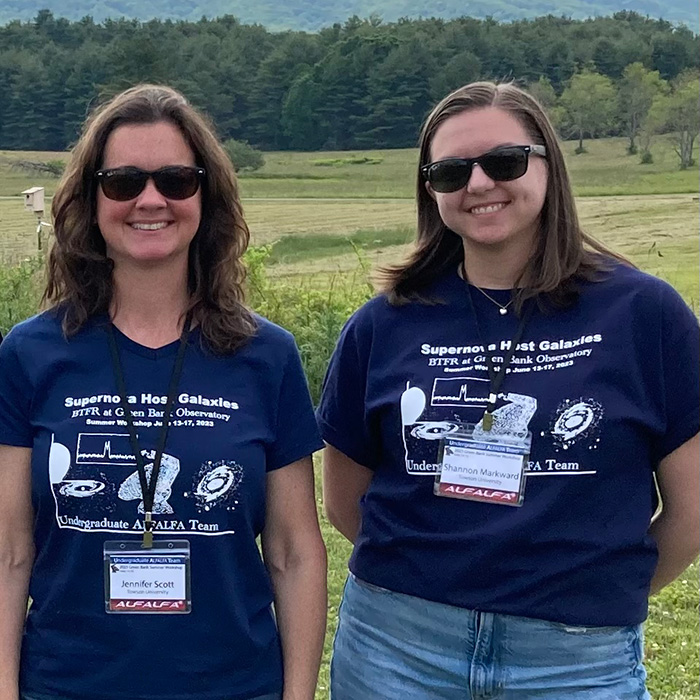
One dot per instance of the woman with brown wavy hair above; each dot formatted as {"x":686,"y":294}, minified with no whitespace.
{"x":151,"y":428}
{"x":496,"y":423}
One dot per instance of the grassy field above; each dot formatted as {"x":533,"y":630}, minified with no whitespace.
{"x":659,"y":234}
{"x":603,"y":171}
{"x":319,"y":211}
{"x":313,"y":239}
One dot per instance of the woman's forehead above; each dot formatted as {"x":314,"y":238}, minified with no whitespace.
{"x":472,"y":132}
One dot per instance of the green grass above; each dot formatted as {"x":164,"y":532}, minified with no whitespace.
{"x":291,"y":249}
{"x":338,"y":549}
{"x":14,"y":179}
{"x":659,"y":234}
{"x":672,"y":632}
{"x":607,"y":170}
{"x":18,"y":238}
{"x":272,"y":219}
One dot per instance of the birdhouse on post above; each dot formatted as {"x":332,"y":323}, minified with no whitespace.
{"x":34,"y":202}
{"x":34,"y":199}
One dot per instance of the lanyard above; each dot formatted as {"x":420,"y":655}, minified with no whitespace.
{"x":148,"y":486}
{"x":497,"y":376}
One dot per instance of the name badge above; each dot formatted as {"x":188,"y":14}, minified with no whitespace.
{"x":484,"y":467}
{"x":155,"y":580}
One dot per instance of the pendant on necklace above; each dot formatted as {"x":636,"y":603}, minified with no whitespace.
{"x":503,"y":311}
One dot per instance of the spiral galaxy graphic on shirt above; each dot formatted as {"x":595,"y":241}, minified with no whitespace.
{"x":81,"y":488}
{"x":216,"y":485}
{"x":435,"y":430}
{"x":576,"y":420}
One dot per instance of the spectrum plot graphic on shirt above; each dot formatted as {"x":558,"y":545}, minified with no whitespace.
{"x":459,"y":391}
{"x":104,"y":448}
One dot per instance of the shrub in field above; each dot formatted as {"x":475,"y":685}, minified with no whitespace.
{"x":56,"y":167}
{"x":350,"y":160}
{"x":314,"y":315}
{"x":53,"y":168}
{"x":19,"y":292}
{"x":243,"y":155}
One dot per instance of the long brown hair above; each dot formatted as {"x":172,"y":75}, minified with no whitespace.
{"x":564,"y":252}
{"x":79,"y":277}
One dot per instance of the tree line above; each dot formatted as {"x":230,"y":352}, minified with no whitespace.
{"x":362,"y":84}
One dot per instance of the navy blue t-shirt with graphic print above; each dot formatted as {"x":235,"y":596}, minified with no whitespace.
{"x":607,"y":388}
{"x":236,"y":417}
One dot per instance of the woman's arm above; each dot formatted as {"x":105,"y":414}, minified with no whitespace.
{"x":295,"y":556}
{"x":677,"y":528}
{"x":344,"y":483}
{"x":16,"y":558}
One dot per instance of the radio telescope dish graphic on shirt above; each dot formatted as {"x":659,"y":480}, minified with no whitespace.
{"x":412,"y":405}
{"x":59,"y":461}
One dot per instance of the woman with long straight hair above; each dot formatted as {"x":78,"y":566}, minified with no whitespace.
{"x":497,"y":423}
{"x":151,"y":428}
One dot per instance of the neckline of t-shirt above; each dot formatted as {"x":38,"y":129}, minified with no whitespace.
{"x":129,"y":345}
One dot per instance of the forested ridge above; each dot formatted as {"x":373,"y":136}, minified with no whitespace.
{"x":313,"y":15}
{"x":362,"y":84}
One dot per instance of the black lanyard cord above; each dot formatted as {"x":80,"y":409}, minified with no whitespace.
{"x":148,"y":486}
{"x":497,"y":376}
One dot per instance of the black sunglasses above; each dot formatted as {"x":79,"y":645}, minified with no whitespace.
{"x":502,"y":164}
{"x":173,"y":182}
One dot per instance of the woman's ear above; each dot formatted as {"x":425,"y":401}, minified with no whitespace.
{"x":429,"y":189}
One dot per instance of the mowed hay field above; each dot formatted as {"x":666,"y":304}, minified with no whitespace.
{"x":320,"y":212}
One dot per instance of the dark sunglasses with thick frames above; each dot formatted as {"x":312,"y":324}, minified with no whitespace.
{"x":173,"y":181}
{"x":501,"y":164}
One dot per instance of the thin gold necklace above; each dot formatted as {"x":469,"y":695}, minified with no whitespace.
{"x":502,"y":308}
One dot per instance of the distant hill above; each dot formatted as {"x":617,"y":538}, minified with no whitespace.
{"x":311,"y":15}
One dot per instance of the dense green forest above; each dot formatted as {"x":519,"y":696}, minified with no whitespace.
{"x":362,"y":84}
{"x":313,"y":15}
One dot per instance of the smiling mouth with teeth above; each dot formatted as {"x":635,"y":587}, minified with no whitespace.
{"x":150,"y":227}
{"x":487,"y":209}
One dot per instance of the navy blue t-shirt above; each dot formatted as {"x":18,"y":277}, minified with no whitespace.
{"x":607,"y":388}
{"x":236,"y":417}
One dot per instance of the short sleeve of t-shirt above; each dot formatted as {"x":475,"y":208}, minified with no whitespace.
{"x":15,"y":393}
{"x":343,"y":413}
{"x":680,"y":346}
{"x":297,"y":434}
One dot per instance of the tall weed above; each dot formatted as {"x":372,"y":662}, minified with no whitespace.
{"x":314,"y":316}
{"x":20,"y":290}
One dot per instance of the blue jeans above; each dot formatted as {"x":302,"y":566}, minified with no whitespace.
{"x":391,"y":646}
{"x":30,"y":696}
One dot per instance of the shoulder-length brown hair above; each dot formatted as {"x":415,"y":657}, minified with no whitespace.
{"x":79,"y":276}
{"x":564,"y":252}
